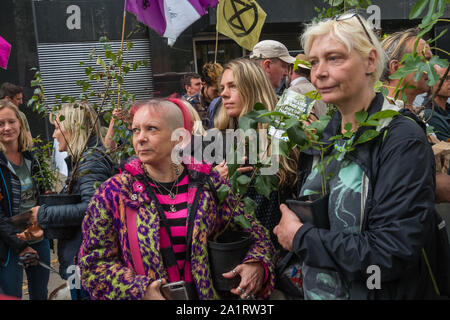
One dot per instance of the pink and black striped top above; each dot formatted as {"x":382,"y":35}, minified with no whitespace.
{"x":177,"y":223}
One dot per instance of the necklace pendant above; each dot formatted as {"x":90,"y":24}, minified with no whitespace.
{"x":172,"y":208}
{"x":171,"y":196}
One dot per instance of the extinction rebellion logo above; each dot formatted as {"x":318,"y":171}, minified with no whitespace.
{"x":233,"y":17}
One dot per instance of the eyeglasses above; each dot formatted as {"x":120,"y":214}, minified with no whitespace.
{"x":349,"y":15}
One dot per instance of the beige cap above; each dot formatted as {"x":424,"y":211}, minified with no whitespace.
{"x":302,"y":57}
{"x":268,"y":49}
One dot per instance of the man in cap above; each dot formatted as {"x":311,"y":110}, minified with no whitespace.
{"x":298,"y":81}
{"x":275,"y":59}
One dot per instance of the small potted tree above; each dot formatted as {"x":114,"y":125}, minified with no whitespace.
{"x":109,"y":72}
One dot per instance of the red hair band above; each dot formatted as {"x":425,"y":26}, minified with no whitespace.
{"x":187,"y":116}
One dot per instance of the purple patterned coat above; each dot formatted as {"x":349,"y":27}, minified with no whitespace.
{"x":105,"y":258}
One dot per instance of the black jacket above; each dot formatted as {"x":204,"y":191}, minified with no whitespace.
{"x":9,"y":206}
{"x":398,"y":220}
{"x":95,"y":166}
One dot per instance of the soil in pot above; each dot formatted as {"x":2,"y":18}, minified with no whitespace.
{"x":225,"y":254}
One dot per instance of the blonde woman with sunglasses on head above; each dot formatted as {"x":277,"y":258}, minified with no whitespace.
{"x":381,"y":195}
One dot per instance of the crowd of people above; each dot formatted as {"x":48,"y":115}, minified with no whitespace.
{"x":147,"y":222}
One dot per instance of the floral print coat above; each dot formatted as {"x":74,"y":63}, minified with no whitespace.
{"x":105,"y":258}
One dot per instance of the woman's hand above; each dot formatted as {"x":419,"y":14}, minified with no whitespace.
{"x":222,"y":168}
{"x":32,"y":233}
{"x":29,"y":262}
{"x":287,"y":228}
{"x":252,"y":278}
{"x":153,"y":291}
{"x":33,"y":217}
{"x":245,"y":169}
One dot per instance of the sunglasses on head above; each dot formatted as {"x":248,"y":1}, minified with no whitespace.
{"x":349,"y":15}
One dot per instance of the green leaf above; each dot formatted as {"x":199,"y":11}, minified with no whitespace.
{"x":242,"y":221}
{"x":440,"y":35}
{"x":383,"y":115}
{"x":130,"y":45}
{"x":284,"y":149}
{"x":246,"y":122}
{"x":272,"y":113}
{"x":259,"y":106}
{"x":315,"y":95}
{"x":369,"y":123}
{"x":61,"y":118}
{"x":366,"y":136}
{"x":320,"y":124}
{"x":265,"y":184}
{"x":289,"y":123}
{"x":417,"y":9}
{"x":361,"y":116}
{"x":429,"y":16}
{"x":97,"y":184}
{"x":250,"y":205}
{"x":243,"y":180}
{"x":223,"y":192}
{"x":296,"y":135}
{"x":348,"y":126}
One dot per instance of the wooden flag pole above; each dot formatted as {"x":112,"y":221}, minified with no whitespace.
{"x":121,"y":49}
{"x":217,"y":37}
{"x":217,"y":43}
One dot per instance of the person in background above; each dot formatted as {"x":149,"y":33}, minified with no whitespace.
{"x":440,"y":118}
{"x":210,"y":82}
{"x":380,"y":202}
{"x":274,"y":58}
{"x":151,"y":206}
{"x":299,"y":81}
{"x":18,"y":194}
{"x":79,"y":135}
{"x":14,"y":94}
{"x":396,"y":46}
{"x":192,"y":83}
{"x":243,"y":84}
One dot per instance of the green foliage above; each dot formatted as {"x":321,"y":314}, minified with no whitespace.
{"x":415,"y":62}
{"x":44,"y":176}
{"x":109,"y":70}
{"x":335,"y":7}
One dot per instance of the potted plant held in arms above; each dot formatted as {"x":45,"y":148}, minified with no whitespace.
{"x":228,"y":248}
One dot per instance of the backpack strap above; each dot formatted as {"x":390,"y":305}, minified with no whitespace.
{"x":131,"y":222}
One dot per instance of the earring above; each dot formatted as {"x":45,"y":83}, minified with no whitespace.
{"x":177,"y":169}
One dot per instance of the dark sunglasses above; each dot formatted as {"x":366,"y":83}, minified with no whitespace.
{"x":349,"y":15}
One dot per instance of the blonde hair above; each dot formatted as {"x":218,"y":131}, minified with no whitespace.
{"x":351,"y":34}
{"x":24,"y":139}
{"x":253,"y":85}
{"x":79,"y":120}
